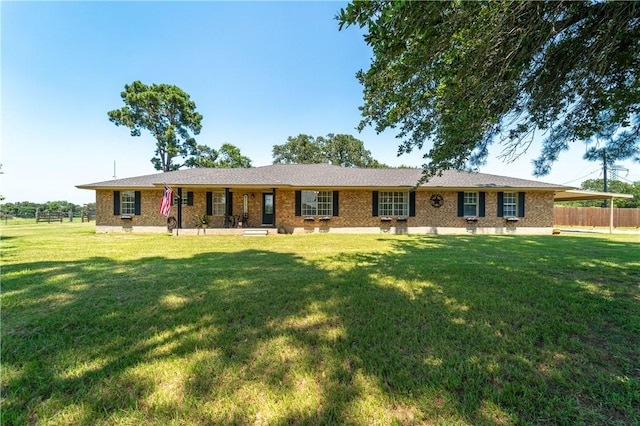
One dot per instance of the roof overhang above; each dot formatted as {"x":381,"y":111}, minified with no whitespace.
{"x":577,"y":195}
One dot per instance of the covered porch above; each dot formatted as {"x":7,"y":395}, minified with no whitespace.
{"x":578,"y":195}
{"x":222,"y":210}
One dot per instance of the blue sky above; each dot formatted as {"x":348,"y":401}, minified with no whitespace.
{"x":258,"y":72}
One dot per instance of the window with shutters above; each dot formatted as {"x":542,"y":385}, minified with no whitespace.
{"x":470,"y":204}
{"x":128,"y":203}
{"x":218,"y":203}
{"x":393,"y":203}
{"x":187,"y":198}
{"x":510,"y":204}
{"x":317,"y":203}
{"x":176,"y":200}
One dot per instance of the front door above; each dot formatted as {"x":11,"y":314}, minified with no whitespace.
{"x":267,"y":209}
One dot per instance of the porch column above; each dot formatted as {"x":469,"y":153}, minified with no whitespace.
{"x":611,"y":216}
{"x":179,"y":225}
{"x":226,"y":208}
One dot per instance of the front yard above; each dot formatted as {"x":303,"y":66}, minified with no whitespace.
{"x":318,"y":329}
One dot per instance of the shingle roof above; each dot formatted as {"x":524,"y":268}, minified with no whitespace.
{"x":319,"y":175}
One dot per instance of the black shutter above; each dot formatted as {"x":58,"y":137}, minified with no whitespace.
{"x":520,"y":204}
{"x":137,"y":209}
{"x":374,"y":203}
{"x":336,"y":210}
{"x":298,"y":203}
{"x":460,"y":204}
{"x":412,"y":203}
{"x":230,"y":204}
{"x":481,"y":206}
{"x":116,"y":203}
{"x":500,"y":204}
{"x":190,"y":198}
{"x":209,"y":203}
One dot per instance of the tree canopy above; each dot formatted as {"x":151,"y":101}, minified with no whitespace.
{"x":613,"y":186}
{"x":228,"y":156}
{"x":341,"y":150}
{"x":168,"y":113}
{"x":463,"y":75}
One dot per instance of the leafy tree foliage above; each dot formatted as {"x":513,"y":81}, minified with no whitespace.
{"x":613,"y":186}
{"x":167,"y":113}
{"x":611,"y":146}
{"x":228,"y":156}
{"x":467,"y":74}
{"x":302,"y":149}
{"x":342,"y":150}
{"x":202,"y":156}
{"x":347,"y":151}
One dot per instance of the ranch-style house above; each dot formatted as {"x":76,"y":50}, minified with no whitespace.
{"x":303,"y":198}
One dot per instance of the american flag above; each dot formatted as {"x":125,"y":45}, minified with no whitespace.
{"x":165,"y":204}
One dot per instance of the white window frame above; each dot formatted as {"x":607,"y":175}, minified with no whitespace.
{"x":470,"y":204}
{"x":128,"y":203}
{"x":510,"y":204}
{"x":218,"y":203}
{"x":184,"y":199}
{"x":316,"y":203}
{"x":393,"y":203}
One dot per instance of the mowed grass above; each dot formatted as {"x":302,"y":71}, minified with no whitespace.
{"x":318,"y":329}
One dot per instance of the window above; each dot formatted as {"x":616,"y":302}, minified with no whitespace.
{"x":393,"y":203}
{"x":187,"y":198}
{"x":128,"y":203}
{"x":176,"y":200}
{"x":218,"y":204}
{"x":510,"y":204}
{"x":470,"y":204}
{"x":317,"y":203}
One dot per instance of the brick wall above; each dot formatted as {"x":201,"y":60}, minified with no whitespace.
{"x":355,"y":210}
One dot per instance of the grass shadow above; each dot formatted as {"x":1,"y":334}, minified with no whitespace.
{"x":472,"y":330}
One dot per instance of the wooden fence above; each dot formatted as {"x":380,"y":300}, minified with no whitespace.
{"x":595,"y":216}
{"x":49,"y":216}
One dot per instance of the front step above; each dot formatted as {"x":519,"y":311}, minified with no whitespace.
{"x":255,"y":232}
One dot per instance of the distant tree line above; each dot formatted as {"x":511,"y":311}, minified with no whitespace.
{"x":616,"y":186}
{"x":27,"y":209}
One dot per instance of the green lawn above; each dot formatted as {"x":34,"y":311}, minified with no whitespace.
{"x":318,"y":329}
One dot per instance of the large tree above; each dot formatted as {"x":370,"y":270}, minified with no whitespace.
{"x":347,"y":151}
{"x":462,"y":75}
{"x":302,"y":149}
{"x":168,"y":113}
{"x":341,"y":150}
{"x":228,"y":156}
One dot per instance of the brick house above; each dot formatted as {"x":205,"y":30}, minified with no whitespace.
{"x":295,"y":198}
